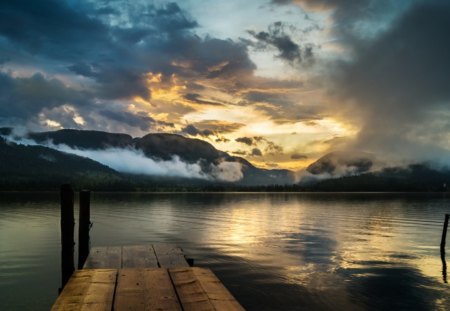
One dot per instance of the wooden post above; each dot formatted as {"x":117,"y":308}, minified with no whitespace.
{"x":444,"y":233}
{"x":67,"y":226}
{"x":83,"y":227}
{"x":444,"y":262}
{"x":444,"y":267}
{"x":190,"y":261}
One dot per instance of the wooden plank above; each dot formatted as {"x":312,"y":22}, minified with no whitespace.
{"x":170,"y":256}
{"x":145,"y":289}
{"x":167,"y":249}
{"x":89,"y":289}
{"x":217,"y":293}
{"x":189,"y":290}
{"x":139,"y":256}
{"x":109,"y":257}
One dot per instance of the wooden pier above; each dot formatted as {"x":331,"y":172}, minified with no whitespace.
{"x":138,"y":277}
{"x":138,"y":256}
{"x":143,"y":277}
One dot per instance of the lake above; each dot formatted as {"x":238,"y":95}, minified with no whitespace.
{"x":273,"y":251}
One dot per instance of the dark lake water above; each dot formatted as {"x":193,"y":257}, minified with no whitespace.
{"x":272,"y":251}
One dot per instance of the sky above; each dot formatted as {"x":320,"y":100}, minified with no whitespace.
{"x":278,"y":82}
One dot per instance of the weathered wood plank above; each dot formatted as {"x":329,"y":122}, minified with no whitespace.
{"x":88,"y":289}
{"x":109,"y":257}
{"x":217,"y":293}
{"x":130,"y":291}
{"x":140,"y":287}
{"x":172,"y":261}
{"x":139,"y":256}
{"x":170,"y":256}
{"x":166,"y":249}
{"x":189,"y":290}
{"x":145,"y":289}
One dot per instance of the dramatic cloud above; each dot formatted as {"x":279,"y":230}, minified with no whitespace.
{"x":277,"y":37}
{"x":284,"y":107}
{"x":193,"y":131}
{"x":347,"y":75}
{"x":51,"y":27}
{"x":354,"y":21}
{"x":109,"y":55}
{"x":135,"y":162}
{"x":140,"y":119}
{"x":228,"y":171}
{"x":273,"y":148}
{"x":23,"y":98}
{"x":256,"y":152}
{"x":298,"y":156}
{"x":399,"y":86}
{"x":269,"y":146}
{"x":222,"y":140}
{"x":196,"y":98}
{"x":245,"y":140}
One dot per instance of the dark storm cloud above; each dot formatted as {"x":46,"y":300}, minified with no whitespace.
{"x":172,"y":18}
{"x":106,"y":11}
{"x":222,"y":140}
{"x":400,"y":82}
{"x":269,"y":146}
{"x":142,"y":121}
{"x":283,"y":107}
{"x":267,"y":97}
{"x":193,"y":131}
{"x":256,"y":152}
{"x":39,"y":98}
{"x":351,"y":17}
{"x":298,"y":156}
{"x":288,"y":49}
{"x":50,"y":27}
{"x":273,"y":148}
{"x":197,"y":98}
{"x":121,"y":82}
{"x":22,"y":98}
{"x":112,"y":47}
{"x":229,"y":58}
{"x":245,"y":140}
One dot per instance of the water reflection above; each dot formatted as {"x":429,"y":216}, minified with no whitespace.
{"x":273,"y":251}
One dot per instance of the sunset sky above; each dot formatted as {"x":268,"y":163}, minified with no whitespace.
{"x":279,"y":82}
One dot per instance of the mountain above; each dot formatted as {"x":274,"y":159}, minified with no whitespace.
{"x":342,"y":163}
{"x":359,"y":171}
{"x":38,"y":167}
{"x":414,"y":177}
{"x":164,"y":147}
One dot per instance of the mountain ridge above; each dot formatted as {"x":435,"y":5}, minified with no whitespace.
{"x":40,"y":164}
{"x":160,"y":147}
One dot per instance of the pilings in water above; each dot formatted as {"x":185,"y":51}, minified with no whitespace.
{"x":444,"y":236}
{"x":83,"y":227}
{"x":67,"y":239}
{"x":67,"y":231}
{"x":444,"y":233}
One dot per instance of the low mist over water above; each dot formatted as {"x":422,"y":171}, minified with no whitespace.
{"x":272,"y":251}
